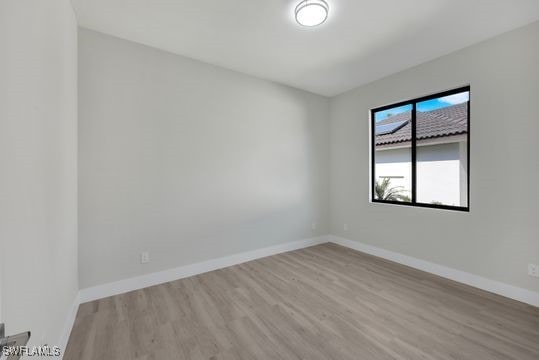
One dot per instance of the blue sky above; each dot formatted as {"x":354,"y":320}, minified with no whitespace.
{"x":426,"y":105}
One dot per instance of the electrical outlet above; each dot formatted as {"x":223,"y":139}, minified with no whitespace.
{"x":533,"y":270}
{"x":144,"y":257}
{"x":313,"y":226}
{"x":345,"y":227}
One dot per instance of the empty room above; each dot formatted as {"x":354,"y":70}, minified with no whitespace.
{"x":269,"y":179}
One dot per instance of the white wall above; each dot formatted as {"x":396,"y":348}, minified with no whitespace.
{"x":38,"y":161}
{"x":395,"y":164}
{"x":439,"y":167}
{"x":499,"y":237}
{"x":189,"y":161}
{"x":438,"y":174}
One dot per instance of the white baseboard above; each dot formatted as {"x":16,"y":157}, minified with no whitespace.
{"x":139,"y":282}
{"x":68,"y":325}
{"x":496,"y":287}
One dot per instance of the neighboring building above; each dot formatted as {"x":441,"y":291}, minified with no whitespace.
{"x":441,"y":153}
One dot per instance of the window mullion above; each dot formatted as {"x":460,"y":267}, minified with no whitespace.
{"x":414,"y":154}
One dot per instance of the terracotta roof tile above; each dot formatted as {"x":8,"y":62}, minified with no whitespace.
{"x":451,"y":120}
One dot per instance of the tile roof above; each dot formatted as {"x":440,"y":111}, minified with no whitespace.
{"x":451,"y":120}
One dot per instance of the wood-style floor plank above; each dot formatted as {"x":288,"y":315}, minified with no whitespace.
{"x":319,"y":303}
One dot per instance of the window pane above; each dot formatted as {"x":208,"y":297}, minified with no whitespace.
{"x":441,"y":152}
{"x":393,"y":155}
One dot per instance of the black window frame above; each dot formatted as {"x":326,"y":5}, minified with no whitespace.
{"x":413,"y":159}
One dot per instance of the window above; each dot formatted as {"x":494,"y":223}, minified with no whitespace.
{"x":421,"y":151}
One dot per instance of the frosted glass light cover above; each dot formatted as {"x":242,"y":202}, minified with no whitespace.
{"x":311,"y":12}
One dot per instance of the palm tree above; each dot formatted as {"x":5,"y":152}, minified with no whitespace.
{"x":383,"y":191}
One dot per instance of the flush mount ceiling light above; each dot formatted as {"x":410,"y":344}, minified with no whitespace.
{"x":311,"y":12}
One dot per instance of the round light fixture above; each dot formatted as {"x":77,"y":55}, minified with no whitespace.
{"x":311,"y":12}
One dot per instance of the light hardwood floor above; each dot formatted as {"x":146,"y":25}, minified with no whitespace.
{"x":320,"y":303}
